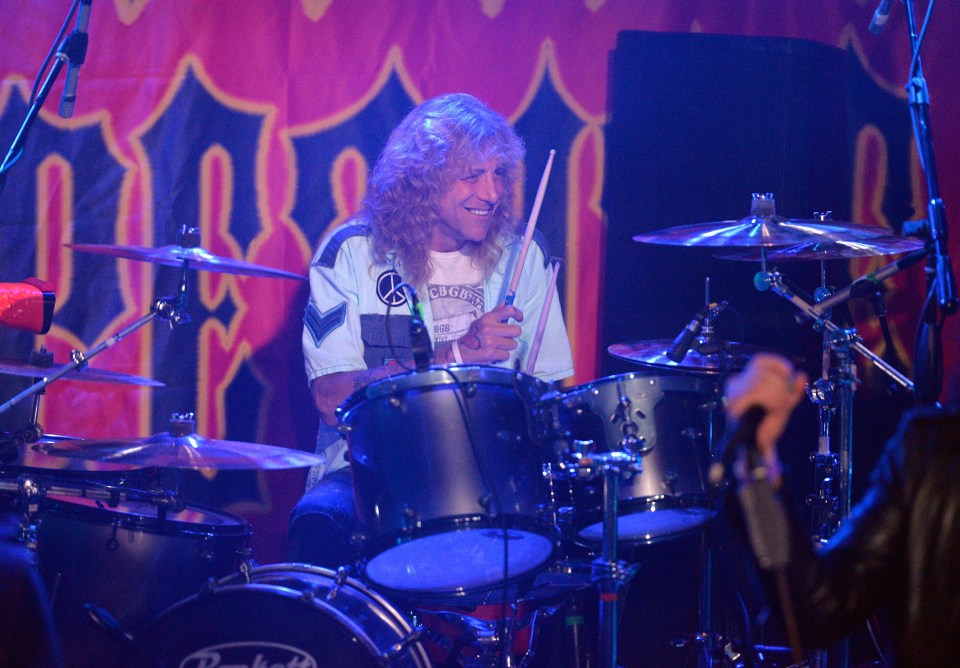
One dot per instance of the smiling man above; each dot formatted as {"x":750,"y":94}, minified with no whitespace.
{"x":439,"y":215}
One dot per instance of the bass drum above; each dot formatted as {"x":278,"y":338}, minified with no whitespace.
{"x":282,"y":615}
{"x":671,"y":418}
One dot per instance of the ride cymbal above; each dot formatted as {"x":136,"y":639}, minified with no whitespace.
{"x":830,"y":250}
{"x":764,"y":228}
{"x":175,"y":255}
{"x":765,"y":231}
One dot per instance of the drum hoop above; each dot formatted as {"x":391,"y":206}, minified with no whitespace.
{"x":385,"y":610}
{"x":382,"y":609}
{"x":664,"y":382}
{"x":378,"y":546}
{"x":249,"y":578}
{"x":438,"y":377}
{"x":107,"y":516}
{"x":642,"y":505}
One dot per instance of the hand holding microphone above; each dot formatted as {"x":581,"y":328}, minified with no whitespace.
{"x":771,"y":386}
{"x":761,"y":400}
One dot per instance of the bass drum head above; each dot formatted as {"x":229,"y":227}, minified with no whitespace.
{"x":286,"y":615}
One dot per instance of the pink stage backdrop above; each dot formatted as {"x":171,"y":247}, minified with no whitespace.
{"x":257,"y":122}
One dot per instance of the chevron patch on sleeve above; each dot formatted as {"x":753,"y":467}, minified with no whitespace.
{"x":320,"y":324}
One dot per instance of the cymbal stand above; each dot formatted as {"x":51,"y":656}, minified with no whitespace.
{"x":842,"y":342}
{"x":172,"y":309}
{"x":607,"y":573}
{"x":824,"y":502}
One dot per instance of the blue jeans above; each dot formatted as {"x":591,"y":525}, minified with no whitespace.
{"x":323,"y":522}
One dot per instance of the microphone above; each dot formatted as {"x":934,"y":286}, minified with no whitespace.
{"x":863,"y":286}
{"x":419,"y":337}
{"x":744,"y":435}
{"x":27,"y":305}
{"x":681,"y":344}
{"x":765,"y":517}
{"x":880,"y":17}
{"x":74,"y":47}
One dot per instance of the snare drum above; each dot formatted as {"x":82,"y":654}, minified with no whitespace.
{"x":283,"y":615}
{"x":448,"y":479}
{"x":669,"y":421}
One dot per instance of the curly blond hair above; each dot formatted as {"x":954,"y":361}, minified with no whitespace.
{"x":425,"y":153}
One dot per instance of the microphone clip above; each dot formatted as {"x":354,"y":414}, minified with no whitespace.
{"x":420,"y":345}
{"x":684,"y":340}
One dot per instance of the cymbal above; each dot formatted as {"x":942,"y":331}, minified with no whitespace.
{"x":11,"y":367}
{"x":830,"y":250}
{"x":762,"y":231}
{"x":187,"y":451}
{"x":703,"y":357}
{"x":175,"y":255}
{"x":25,"y":457}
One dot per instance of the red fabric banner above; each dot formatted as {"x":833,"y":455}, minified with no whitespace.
{"x":257,"y":122}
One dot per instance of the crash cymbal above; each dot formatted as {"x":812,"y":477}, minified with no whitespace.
{"x":181,"y":448}
{"x":764,"y":228}
{"x":25,"y":369}
{"x":764,"y":231}
{"x":703,"y":357}
{"x":831,"y":250}
{"x":175,"y":255}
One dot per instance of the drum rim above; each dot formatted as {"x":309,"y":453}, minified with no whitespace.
{"x":63,"y":506}
{"x":438,"y":376}
{"x":667,"y":382}
{"x":245,"y":580}
{"x":247,"y":577}
{"x":690,"y":501}
{"x":317,"y":603}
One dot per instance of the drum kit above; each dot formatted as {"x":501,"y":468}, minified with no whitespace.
{"x":475,"y":486}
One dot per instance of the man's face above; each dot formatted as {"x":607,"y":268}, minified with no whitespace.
{"x":467,"y":206}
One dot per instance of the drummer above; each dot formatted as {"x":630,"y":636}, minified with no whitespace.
{"x":439,"y":214}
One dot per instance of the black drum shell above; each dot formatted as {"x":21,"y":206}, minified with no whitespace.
{"x":446,"y":450}
{"x":128,"y":562}
{"x":676,"y":417}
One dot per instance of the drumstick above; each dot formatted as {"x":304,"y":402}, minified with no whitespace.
{"x":542,"y":325}
{"x":528,"y":235}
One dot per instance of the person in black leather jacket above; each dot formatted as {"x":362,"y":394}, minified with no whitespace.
{"x":901,"y":542}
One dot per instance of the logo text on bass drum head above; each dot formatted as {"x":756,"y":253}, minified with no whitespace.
{"x":249,"y":655}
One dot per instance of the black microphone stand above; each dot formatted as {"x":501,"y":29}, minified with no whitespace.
{"x":68,"y":50}
{"x":928,"y":357}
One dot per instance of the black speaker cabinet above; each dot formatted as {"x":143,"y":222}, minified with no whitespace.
{"x":697,"y":123}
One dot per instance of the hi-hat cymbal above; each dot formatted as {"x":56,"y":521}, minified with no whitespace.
{"x":187,"y":451}
{"x":762,"y":231}
{"x":703,"y":357}
{"x":830,"y":250}
{"x":87,"y":373}
{"x":175,"y":255}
